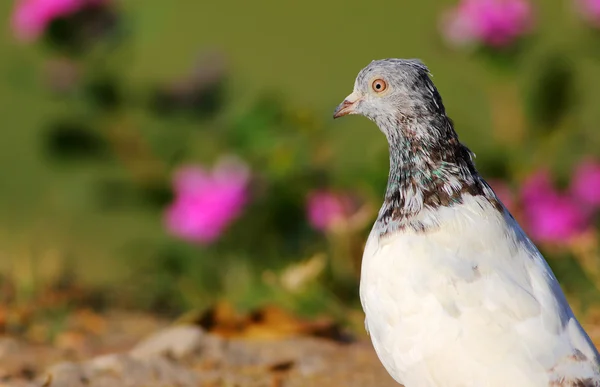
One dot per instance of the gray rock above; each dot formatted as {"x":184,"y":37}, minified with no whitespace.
{"x":122,"y":370}
{"x":179,"y":342}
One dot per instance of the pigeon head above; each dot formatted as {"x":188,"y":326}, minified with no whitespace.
{"x":429,"y":167}
{"x":394,"y":93}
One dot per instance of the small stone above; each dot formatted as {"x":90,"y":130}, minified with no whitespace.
{"x":108,"y":363}
{"x":177,"y":342}
{"x":123,"y":367}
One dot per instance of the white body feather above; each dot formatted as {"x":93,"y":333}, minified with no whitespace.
{"x":471,"y":303}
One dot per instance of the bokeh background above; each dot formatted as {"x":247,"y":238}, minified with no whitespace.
{"x":166,"y":155}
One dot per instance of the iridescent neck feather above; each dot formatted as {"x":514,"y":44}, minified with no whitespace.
{"x":429,"y":167}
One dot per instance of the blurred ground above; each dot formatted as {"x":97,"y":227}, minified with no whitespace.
{"x":130,"y":349}
{"x":215,"y":348}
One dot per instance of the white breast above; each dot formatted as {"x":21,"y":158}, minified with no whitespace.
{"x":471,"y":303}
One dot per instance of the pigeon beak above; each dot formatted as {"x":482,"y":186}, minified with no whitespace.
{"x":347,"y":107}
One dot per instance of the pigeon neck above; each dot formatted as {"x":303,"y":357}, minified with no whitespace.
{"x":429,"y":168}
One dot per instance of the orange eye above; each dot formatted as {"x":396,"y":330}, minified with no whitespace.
{"x":379,"y":85}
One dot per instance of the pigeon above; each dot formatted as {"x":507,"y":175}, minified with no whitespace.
{"x":454,"y":292}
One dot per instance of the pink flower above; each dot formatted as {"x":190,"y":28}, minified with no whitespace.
{"x":537,"y":187}
{"x":496,"y":23}
{"x":551,"y":216}
{"x":207,"y":202}
{"x":589,"y":10}
{"x":556,"y":219}
{"x":31,"y":17}
{"x":325,"y":209}
{"x":585,"y":185}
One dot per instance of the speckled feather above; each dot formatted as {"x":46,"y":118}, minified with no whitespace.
{"x":455,"y":294}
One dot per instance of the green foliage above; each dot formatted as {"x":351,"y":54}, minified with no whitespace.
{"x":87,"y":156}
{"x":552,"y":93}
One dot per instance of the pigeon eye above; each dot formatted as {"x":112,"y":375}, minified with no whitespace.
{"x":379,"y":85}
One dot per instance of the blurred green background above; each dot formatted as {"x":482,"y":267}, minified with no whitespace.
{"x":87,"y":155}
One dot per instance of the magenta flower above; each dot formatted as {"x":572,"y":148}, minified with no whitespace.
{"x":207,"y":202}
{"x":326,"y":208}
{"x":496,"y":23}
{"x":551,"y":216}
{"x":585,"y":185}
{"x":537,"y":187}
{"x":589,"y":11}
{"x":31,"y":17}
{"x":556,"y":219}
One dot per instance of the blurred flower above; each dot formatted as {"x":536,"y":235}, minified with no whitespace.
{"x":556,"y":219}
{"x":31,"y":17}
{"x":326,"y":208}
{"x":589,"y":11}
{"x":503,"y":192}
{"x":585,"y":185}
{"x":207,"y":202}
{"x":537,"y":186}
{"x":496,"y":23}
{"x":551,"y":216}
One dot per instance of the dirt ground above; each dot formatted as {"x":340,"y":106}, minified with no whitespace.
{"x":129,"y":349}
{"x":214,"y":348}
